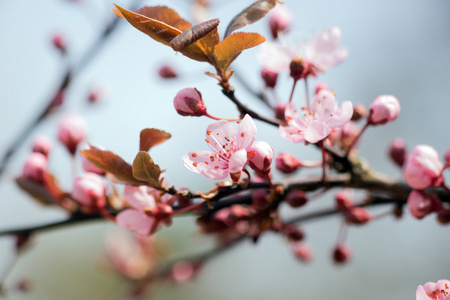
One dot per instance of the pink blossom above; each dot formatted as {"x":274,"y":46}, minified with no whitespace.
{"x":423,"y":168}
{"x":145,"y":214}
{"x":261,"y":157}
{"x":384,"y":109}
{"x":397,"y":151}
{"x":437,"y":291}
{"x":72,"y":130}
{"x":89,"y":189}
{"x":321,"y":53}
{"x":357,"y":216}
{"x":303,"y":251}
{"x":42,"y":144}
{"x":316,"y":123}
{"x":296,"y":198}
{"x":35,"y":167}
{"x":189,"y":102}
{"x":341,"y":253}
{"x":420,"y":204}
{"x":269,"y":77}
{"x":167,"y":72}
{"x":280,"y":19}
{"x":287,"y":163}
{"x":229,"y":153}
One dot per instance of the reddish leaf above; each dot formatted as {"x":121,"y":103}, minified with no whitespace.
{"x":111,"y":163}
{"x":163,"y":33}
{"x":151,"y":137}
{"x":117,"y":12}
{"x":210,"y":42}
{"x":146,"y":170}
{"x":250,"y":15}
{"x":193,"y":34}
{"x":36,"y":190}
{"x":228,"y":49}
{"x":165,"y":15}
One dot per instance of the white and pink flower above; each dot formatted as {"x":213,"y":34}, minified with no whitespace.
{"x":423,"y":168}
{"x":319,"y":54}
{"x":434,"y":291}
{"x":89,"y":189}
{"x":316,"y":123}
{"x":229,"y":153}
{"x":146,"y":213}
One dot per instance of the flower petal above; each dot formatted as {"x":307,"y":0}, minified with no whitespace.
{"x":135,"y":221}
{"x":219,"y":134}
{"x":139,"y":197}
{"x":317,"y":131}
{"x":206,"y":163}
{"x":247,"y":133}
{"x":237,"y":161}
{"x":341,"y":116}
{"x":421,"y":294}
{"x":291,"y":133}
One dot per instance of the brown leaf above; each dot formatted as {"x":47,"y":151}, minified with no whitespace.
{"x":111,"y":163}
{"x":146,"y":170}
{"x":162,"y":32}
{"x":36,"y":190}
{"x":191,"y":35}
{"x":151,"y":137}
{"x":210,"y":42}
{"x":165,"y":15}
{"x":117,"y":12}
{"x":228,"y":49}
{"x":250,"y":15}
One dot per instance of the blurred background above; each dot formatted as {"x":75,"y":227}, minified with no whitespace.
{"x":396,"y":47}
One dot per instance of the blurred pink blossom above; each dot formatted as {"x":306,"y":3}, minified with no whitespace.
{"x":423,"y":168}
{"x":72,"y":130}
{"x":434,"y":291}
{"x":384,"y":109}
{"x":89,"y":189}
{"x":280,"y":19}
{"x":35,"y":167}
{"x":420,"y":204}
{"x":42,"y":144}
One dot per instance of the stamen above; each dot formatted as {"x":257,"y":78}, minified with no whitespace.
{"x":194,"y":154}
{"x":216,"y":167}
{"x":304,"y":108}
{"x":208,"y":132}
{"x":334,"y":94}
{"x":288,"y":119}
{"x":242,"y":134}
{"x":195,"y":164}
{"x":206,"y":162}
{"x":238,"y":121}
{"x":206,"y":140}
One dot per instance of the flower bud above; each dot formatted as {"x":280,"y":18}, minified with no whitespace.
{"x":322,"y":86}
{"x":261,"y":157}
{"x":287,"y":163}
{"x":293,"y":233}
{"x":59,"y":43}
{"x":42,"y":144}
{"x":341,"y":253}
{"x":269,"y":77}
{"x":344,"y":199}
{"x":302,"y":251}
{"x":184,"y":271}
{"x":423,"y":168}
{"x":280,"y":19}
{"x":99,"y":91}
{"x":279,"y":111}
{"x":420,"y":204}
{"x":189,"y":102}
{"x":296,"y":198}
{"x":72,"y":130}
{"x":447,"y":156}
{"x":35,"y":167}
{"x":259,"y":199}
{"x":167,"y":72}
{"x":297,"y":68}
{"x":383,"y":109}
{"x":359,"y":111}
{"x":443,"y":216}
{"x":358,"y":216}
{"x":89,"y":189}
{"x":397,"y":151}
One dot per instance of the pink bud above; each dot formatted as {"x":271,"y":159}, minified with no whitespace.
{"x":341,"y":253}
{"x":72,"y":130}
{"x":167,"y":72}
{"x":322,"y":86}
{"x":279,"y":111}
{"x":359,"y":111}
{"x":383,"y":109}
{"x":420,"y":204}
{"x":262,"y":155}
{"x":302,"y":251}
{"x":59,"y":43}
{"x":269,"y":77}
{"x":287,"y":163}
{"x":88,"y":166}
{"x":89,"y":189}
{"x":42,"y":144}
{"x":280,"y":19}
{"x":189,"y":102}
{"x":358,"y":216}
{"x":397,"y":151}
{"x":293,"y":233}
{"x":447,"y":156}
{"x":423,"y":168}
{"x":184,"y":271}
{"x":344,"y":199}
{"x":259,"y":199}
{"x":296,"y":198}
{"x":99,"y":91}
{"x":443,"y":216}
{"x":35,"y":167}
